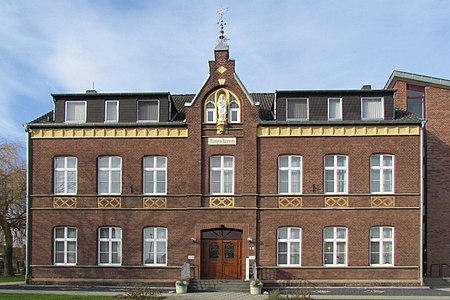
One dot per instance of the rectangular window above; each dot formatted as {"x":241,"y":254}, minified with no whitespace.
{"x":297,"y":109}
{"x":372,"y":108}
{"x":335,"y":246}
{"x":155,"y":246}
{"x":221,"y":175}
{"x":65,"y":175}
{"x":334,"y":108}
{"x":381,"y":246}
{"x":234,"y":112}
{"x":416,"y":100}
{"x":111,"y":111}
{"x":155,"y":175}
{"x":336,"y":174}
{"x":381,"y":173}
{"x":148,"y":110}
{"x":65,"y":246}
{"x":75,"y":112}
{"x":289,"y":174}
{"x":109,"y":175}
{"x":110,"y":246}
{"x":289,"y":246}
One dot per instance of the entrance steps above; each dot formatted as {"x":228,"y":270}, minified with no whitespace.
{"x":437,"y":282}
{"x":219,"y":285}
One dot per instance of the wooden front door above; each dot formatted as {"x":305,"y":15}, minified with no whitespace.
{"x":221,"y":257}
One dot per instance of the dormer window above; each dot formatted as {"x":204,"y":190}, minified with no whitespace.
{"x":148,"y":111}
{"x":334,"y":109}
{"x":111,"y":111}
{"x":297,"y":109}
{"x":372,"y":108}
{"x":75,"y":112}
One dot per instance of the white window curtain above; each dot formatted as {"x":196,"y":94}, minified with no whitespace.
{"x":334,"y":109}
{"x":76,"y":111}
{"x":297,"y":109}
{"x":112,"y":111}
{"x":372,"y":108}
{"x":148,"y":111}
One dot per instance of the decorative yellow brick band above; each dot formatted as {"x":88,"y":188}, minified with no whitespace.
{"x":90,"y":133}
{"x":382,"y":201}
{"x":148,"y":202}
{"x":336,"y":201}
{"x":64,"y":202}
{"x":221,"y":202}
{"x":109,"y":202}
{"x":350,"y":130}
{"x":290,"y":202}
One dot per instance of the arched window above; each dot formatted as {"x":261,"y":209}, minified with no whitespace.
{"x":234,"y":112}
{"x":210,"y":114}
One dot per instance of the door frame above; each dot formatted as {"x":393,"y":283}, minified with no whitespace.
{"x":235,"y":226}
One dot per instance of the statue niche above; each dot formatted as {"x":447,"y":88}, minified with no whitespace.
{"x":222,"y":111}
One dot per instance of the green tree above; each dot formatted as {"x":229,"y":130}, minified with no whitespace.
{"x":12,"y":200}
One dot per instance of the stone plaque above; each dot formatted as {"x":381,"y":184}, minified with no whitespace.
{"x":186,"y":271}
{"x":222,"y":141}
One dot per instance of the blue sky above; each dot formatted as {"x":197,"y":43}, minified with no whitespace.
{"x":64,"y":46}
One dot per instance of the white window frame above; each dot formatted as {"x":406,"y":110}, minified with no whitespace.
{"x":150,"y":100}
{"x":155,"y":240}
{"x":289,"y":240}
{"x":106,"y":111}
{"x":340,"y":109}
{"x":110,"y":240}
{"x":287,"y":109}
{"x":155,"y":170}
{"x":372,"y":98}
{"x":222,"y":170}
{"x":335,"y":168}
{"x":381,"y":248}
{"x":381,"y":168}
{"x":109,"y":169}
{"x":66,"y":240}
{"x":210,"y":109}
{"x":335,"y":240}
{"x":237,"y":110}
{"x":289,"y":169}
{"x":73,"y":121}
{"x":65,"y":169}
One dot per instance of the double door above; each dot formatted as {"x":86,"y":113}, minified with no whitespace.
{"x":221,"y":259}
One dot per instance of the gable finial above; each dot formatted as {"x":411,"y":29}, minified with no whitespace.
{"x":221,"y":22}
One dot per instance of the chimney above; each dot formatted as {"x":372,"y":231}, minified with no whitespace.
{"x":91,"y":92}
{"x":366,"y":87}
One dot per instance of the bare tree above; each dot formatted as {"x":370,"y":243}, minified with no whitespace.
{"x":12,"y":200}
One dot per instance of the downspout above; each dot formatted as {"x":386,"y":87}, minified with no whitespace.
{"x":28,"y":214}
{"x":422,"y":204}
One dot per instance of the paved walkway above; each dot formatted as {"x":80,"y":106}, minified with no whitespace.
{"x":370,"y":293}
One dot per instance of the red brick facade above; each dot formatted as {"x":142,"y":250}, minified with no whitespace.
{"x":437,"y":177}
{"x":256,"y":211}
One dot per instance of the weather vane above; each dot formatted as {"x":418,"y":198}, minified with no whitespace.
{"x":221,"y":22}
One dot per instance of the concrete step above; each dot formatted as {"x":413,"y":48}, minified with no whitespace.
{"x":218,"y":285}
{"x":436,"y":282}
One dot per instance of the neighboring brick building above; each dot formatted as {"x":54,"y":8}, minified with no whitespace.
{"x":316,"y":185}
{"x":429,"y":98}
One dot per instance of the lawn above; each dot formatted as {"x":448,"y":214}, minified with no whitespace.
{"x":12,"y":278}
{"x":50,"y":297}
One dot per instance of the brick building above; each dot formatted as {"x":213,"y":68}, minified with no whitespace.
{"x":320,"y":185}
{"x":429,"y":98}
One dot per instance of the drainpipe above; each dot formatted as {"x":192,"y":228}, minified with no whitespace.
{"x":28,"y":214}
{"x":422,"y":204}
